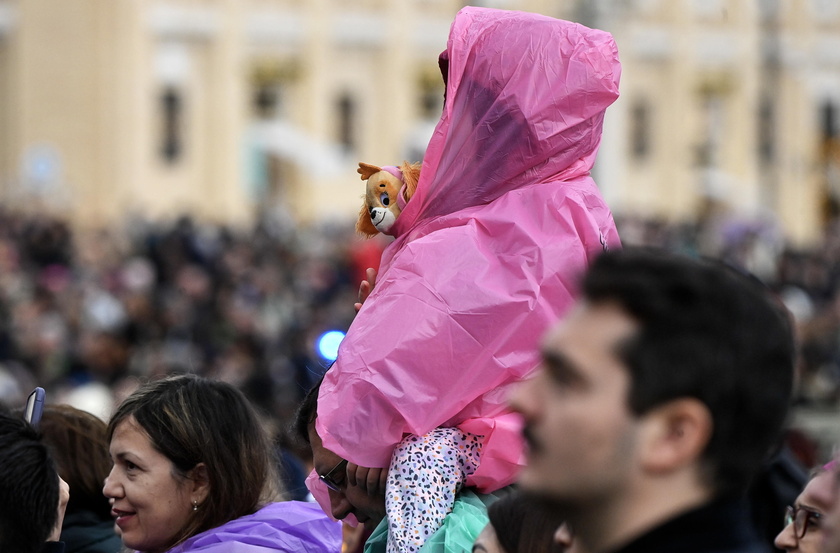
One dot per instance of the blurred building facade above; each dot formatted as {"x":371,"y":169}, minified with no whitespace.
{"x":225,"y":108}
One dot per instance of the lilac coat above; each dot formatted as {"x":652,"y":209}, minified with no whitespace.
{"x":290,"y":526}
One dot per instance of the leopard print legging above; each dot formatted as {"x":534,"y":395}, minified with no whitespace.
{"x":426,"y":473}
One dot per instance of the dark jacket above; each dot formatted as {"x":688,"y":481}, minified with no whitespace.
{"x":723,"y":526}
{"x":84,"y":532}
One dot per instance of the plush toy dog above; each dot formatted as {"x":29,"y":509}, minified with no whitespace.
{"x":388,"y":190}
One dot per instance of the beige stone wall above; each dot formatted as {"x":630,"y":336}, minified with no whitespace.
{"x":702,"y":68}
{"x":82,"y":86}
{"x":7,"y":98}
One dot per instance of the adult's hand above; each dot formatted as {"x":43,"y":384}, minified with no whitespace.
{"x":371,"y":480}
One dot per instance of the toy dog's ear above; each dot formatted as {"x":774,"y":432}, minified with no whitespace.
{"x":364,"y":225}
{"x":366,"y":170}
{"x":411,"y":174}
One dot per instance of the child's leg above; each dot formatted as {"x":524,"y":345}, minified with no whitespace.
{"x":425,"y":474}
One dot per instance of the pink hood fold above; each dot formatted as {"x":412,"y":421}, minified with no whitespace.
{"x":525,"y":102}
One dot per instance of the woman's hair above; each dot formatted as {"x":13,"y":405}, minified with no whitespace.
{"x":78,"y":442}
{"x":523,"y":525}
{"x":194,"y":420}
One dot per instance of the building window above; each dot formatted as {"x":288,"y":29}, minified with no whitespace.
{"x":829,"y":122}
{"x":272,"y":80}
{"x":640,"y":130}
{"x":712,"y":130}
{"x":830,"y":159}
{"x":347,"y":122}
{"x":172,"y":107}
{"x":268,"y":101}
{"x":766,"y":130}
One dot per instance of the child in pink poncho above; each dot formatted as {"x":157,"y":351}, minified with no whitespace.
{"x":486,"y":258}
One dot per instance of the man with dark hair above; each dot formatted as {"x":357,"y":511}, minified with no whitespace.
{"x":32,"y":497}
{"x":658,"y":398}
{"x":345,"y":498}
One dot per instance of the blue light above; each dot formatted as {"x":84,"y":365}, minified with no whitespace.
{"x":328,"y":344}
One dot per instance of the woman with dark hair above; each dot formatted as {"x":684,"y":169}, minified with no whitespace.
{"x":79,"y":444}
{"x":194,"y":471}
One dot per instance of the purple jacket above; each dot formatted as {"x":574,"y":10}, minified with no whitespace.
{"x":290,"y":526}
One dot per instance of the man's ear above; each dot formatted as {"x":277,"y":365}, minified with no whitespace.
{"x":199,"y":483}
{"x":675,"y":435}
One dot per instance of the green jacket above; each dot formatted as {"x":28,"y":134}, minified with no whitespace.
{"x":460,"y":527}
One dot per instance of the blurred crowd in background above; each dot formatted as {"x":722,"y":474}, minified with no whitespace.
{"x":806,"y":280}
{"x":88,"y":315}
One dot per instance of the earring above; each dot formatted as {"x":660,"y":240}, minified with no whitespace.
{"x":195,"y":505}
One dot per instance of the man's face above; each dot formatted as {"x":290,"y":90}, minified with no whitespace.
{"x":816,"y":500}
{"x":581,"y":435}
{"x":368,"y":509}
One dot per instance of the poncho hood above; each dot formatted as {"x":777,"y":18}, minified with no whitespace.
{"x":525,"y":102}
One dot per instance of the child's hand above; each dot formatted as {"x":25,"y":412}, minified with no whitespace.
{"x":371,"y":480}
{"x":366,"y":287}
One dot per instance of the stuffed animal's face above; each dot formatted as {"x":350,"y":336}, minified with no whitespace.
{"x":381,"y":200}
{"x":384,"y":186}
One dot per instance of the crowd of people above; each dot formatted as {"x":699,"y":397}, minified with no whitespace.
{"x":515,"y":377}
{"x":625,"y":453}
{"x":82,"y":309}
{"x":85,"y":314}
{"x":91,"y":315}
{"x":806,"y":279}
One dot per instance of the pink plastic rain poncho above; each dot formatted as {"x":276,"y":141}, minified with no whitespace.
{"x":489,"y":248}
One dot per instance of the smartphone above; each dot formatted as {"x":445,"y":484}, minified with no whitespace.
{"x":35,"y":406}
